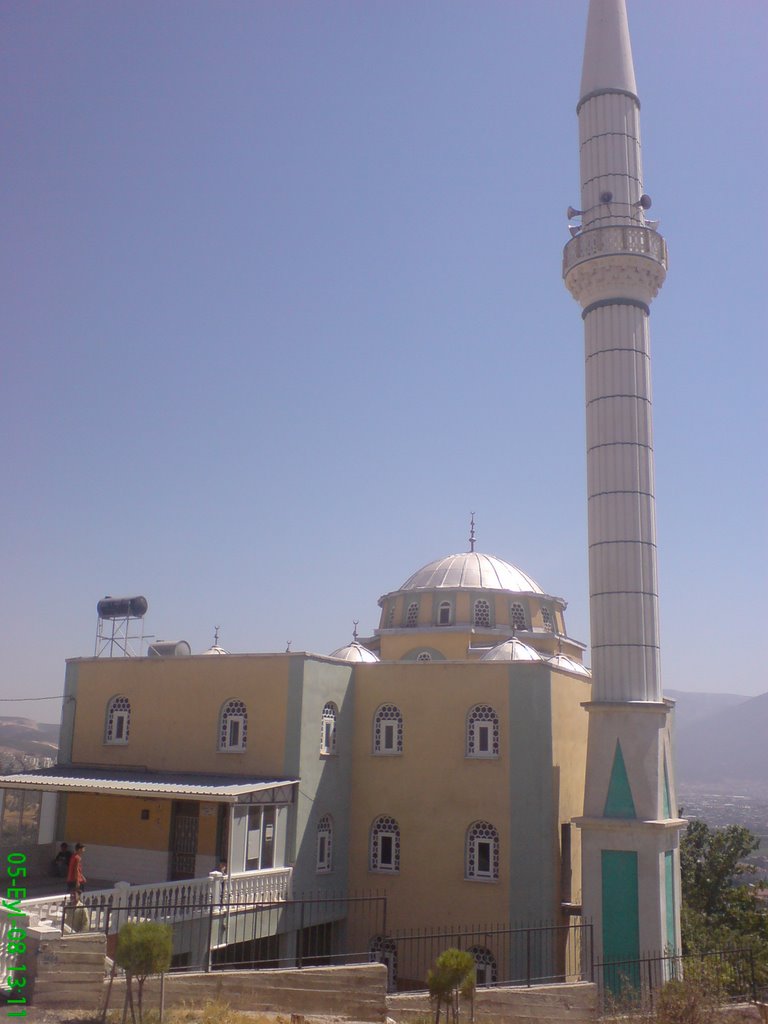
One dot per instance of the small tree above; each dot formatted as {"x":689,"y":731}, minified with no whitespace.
{"x":142,"y":949}
{"x":453,"y":973}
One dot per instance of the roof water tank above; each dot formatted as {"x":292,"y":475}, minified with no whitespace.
{"x":122,"y":607}
{"x":169,"y":649}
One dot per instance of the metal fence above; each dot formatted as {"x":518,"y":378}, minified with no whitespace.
{"x":633,"y":985}
{"x":211,"y":935}
{"x":505,"y":954}
{"x":343,"y":928}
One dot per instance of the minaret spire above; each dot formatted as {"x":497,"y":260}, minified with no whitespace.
{"x":614,"y":266}
{"x":608,"y":63}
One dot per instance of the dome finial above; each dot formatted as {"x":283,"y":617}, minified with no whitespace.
{"x":216,"y":635}
{"x":355,"y":624}
{"x":472,"y":531}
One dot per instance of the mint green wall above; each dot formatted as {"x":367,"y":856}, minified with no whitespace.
{"x":534,"y":829}
{"x":669,"y":881}
{"x":621,"y":921}
{"x":325,"y":779}
{"x":619,"y":802}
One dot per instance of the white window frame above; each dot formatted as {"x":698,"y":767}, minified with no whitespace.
{"x":518,"y":608}
{"x":445,"y":606}
{"x":233,"y":716}
{"x":324,"y":850}
{"x":483,"y":717}
{"x":487,"y":605}
{"x":118,"y":721}
{"x":388,"y":730}
{"x":388,"y":831}
{"x":328,"y":729}
{"x":481,"y":834}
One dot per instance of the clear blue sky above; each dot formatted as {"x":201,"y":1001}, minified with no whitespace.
{"x":282,"y":305}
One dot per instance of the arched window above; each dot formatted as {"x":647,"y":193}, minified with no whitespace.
{"x":546,"y":617}
{"x":385,"y":845}
{"x":444,"y":614}
{"x":328,"y":733}
{"x":324,"y":844}
{"x":424,"y":656}
{"x":388,"y":730}
{"x":486,"y":968}
{"x":412,"y":615}
{"x":482,"y":731}
{"x":118,"y":720}
{"x":391,"y":618}
{"x":517,"y":616}
{"x":384,"y":951}
{"x":482,"y":853}
{"x":482,"y":613}
{"x":233,"y":726}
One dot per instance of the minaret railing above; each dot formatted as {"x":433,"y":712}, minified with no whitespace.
{"x":615,"y":240}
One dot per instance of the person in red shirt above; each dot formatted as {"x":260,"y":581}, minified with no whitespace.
{"x":75,"y":878}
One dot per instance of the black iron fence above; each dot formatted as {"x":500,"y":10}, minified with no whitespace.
{"x":505,"y":954}
{"x":301,"y":932}
{"x":344,"y":928}
{"x":633,"y":985}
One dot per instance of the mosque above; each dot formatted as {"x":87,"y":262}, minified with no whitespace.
{"x":462,"y":760}
{"x":462,"y":710}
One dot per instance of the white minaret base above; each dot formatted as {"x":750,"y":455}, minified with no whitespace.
{"x":629,"y":833}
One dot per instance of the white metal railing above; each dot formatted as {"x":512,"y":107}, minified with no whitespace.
{"x":167,"y":901}
{"x":615,"y":239}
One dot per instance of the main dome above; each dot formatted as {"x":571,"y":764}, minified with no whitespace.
{"x":473,"y":571}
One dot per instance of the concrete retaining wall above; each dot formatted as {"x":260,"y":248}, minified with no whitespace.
{"x":65,"y":970}
{"x":357,"y":993}
{"x":544,"y":1004}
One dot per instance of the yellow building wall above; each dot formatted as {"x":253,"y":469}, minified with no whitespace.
{"x":451,"y":644}
{"x":432,"y":790}
{"x":117,"y":821}
{"x":175,"y":708}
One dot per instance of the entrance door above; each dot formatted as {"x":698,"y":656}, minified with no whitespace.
{"x":185,"y":820}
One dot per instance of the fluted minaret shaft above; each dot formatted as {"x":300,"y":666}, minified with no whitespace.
{"x":614,"y":268}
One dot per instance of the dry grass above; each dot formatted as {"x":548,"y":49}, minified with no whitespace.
{"x":211,"y":1012}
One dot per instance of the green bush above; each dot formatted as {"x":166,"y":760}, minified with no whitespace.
{"x":453,"y":973}
{"x":143,"y":949}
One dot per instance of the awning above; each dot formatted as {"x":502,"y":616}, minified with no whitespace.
{"x":229,"y":789}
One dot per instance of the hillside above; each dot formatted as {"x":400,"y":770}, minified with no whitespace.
{"x":22,"y":738}
{"x":691,"y":707}
{"x":725,"y":745}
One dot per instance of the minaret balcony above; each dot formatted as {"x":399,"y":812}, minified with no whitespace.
{"x":627,"y":260}
{"x":616,"y":239}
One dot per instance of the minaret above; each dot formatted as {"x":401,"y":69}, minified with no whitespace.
{"x":614,"y":266}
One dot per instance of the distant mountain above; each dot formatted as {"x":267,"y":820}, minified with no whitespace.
{"x":690,"y":707}
{"x":21,"y":738}
{"x":721,"y":738}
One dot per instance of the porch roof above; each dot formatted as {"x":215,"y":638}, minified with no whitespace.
{"x":228,"y":789}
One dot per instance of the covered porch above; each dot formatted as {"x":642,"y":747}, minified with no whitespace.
{"x":146,"y":827}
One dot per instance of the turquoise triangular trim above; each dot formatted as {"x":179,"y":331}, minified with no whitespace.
{"x":619,"y":802}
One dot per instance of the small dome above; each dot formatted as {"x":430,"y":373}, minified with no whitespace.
{"x":215,"y":650}
{"x":473,"y":571}
{"x":354,"y":652}
{"x":512,"y":650}
{"x":566,"y":664}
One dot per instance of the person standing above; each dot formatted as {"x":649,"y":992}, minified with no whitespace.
{"x":61,"y":861}
{"x":75,"y":878}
